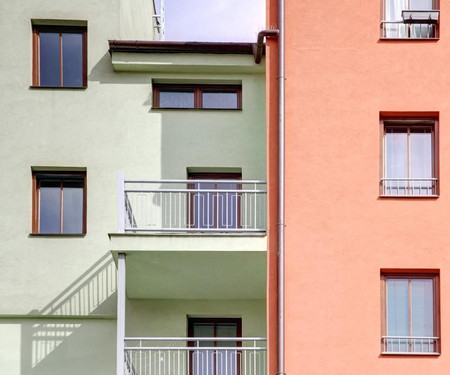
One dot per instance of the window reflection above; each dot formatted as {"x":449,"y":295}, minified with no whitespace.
{"x":60,"y":202}
{"x":176,"y":99}
{"x":60,"y":56}
{"x":409,"y":159}
{"x":220,"y":100}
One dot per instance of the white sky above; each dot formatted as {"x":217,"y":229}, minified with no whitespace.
{"x":213,"y":20}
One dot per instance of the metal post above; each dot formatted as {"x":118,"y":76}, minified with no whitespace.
{"x":163,"y":21}
{"x":281,"y":187}
{"x":121,"y":284}
{"x":121,"y":202}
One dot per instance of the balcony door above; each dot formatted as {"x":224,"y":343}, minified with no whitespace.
{"x":215,"y":357}
{"x":215,"y":204}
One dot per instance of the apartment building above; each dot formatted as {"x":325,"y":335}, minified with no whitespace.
{"x":138,"y":214}
{"x":366,"y":186}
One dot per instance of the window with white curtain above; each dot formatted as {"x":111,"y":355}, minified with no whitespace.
{"x":395,"y":25}
{"x":411,"y":318}
{"x":409,"y":158}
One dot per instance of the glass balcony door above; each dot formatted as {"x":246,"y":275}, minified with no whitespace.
{"x":218,"y":357}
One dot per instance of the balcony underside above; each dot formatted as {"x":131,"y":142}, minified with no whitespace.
{"x":195,"y":274}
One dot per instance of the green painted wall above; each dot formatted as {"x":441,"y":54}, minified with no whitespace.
{"x":169,"y":317}
{"x":55,"y":346}
{"x":107,"y":128}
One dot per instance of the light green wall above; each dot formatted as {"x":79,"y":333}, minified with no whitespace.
{"x":169,"y":317}
{"x":53,"y":346}
{"x":106,"y":128}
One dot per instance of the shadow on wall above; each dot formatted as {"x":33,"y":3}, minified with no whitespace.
{"x":103,"y":73}
{"x":72,"y":344}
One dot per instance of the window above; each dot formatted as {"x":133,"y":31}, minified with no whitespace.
{"x":197,"y":96}
{"x":410,"y":19}
{"x":216,"y":202}
{"x":225,"y":360}
{"x":59,"y":56}
{"x":411,"y":313}
{"x":409,"y":157}
{"x":59,"y":202}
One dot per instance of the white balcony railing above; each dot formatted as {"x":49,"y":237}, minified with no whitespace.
{"x":410,"y":345}
{"x":195,"y":356}
{"x":402,"y":30}
{"x":409,"y":187}
{"x":192,"y":205}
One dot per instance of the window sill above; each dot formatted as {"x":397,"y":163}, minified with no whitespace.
{"x":409,"y":39}
{"x":59,"y":87}
{"x":410,"y":196}
{"x":195,"y":109}
{"x":57,"y":235}
{"x":410,"y":354}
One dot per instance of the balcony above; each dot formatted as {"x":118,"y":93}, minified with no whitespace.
{"x":192,"y":206}
{"x":409,"y":187}
{"x":410,"y":345}
{"x":195,"y":356}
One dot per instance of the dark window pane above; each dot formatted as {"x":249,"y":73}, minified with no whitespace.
{"x":204,"y":330}
{"x":227,"y":207}
{"x":220,"y":100}
{"x":176,"y":99}
{"x":49,"y":62}
{"x":49,"y":206}
{"x":204,"y":212}
{"x":73,"y":207}
{"x":72,"y":47}
{"x":226,"y":330}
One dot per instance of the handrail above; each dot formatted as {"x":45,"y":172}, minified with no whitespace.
{"x":411,"y":337}
{"x":197,"y":181}
{"x":197,"y":205}
{"x":195,"y":339}
{"x":409,"y":179}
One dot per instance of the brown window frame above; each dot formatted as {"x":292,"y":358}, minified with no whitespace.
{"x":408,"y":121}
{"x":411,"y":274}
{"x":60,"y":176}
{"x":37,"y":29}
{"x":213,"y":176}
{"x":197,"y":90}
{"x":192,"y":321}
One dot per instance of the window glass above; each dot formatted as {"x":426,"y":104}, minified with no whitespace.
{"x":411,"y":326}
{"x":176,"y":99}
{"x":49,"y":207}
{"x":197,"y":96}
{"x":73,"y":207}
{"x":226,"y":330}
{"x":397,"y":307}
{"x":59,"y":203}
{"x":421,"y":153}
{"x":393,"y":25}
{"x":59,"y":56}
{"x":49,"y":59}
{"x":421,"y":4}
{"x":216,"y":209}
{"x":396,"y":152}
{"x":220,"y":100}
{"x":422,"y":307}
{"x":409,"y":159}
{"x":72,"y":59}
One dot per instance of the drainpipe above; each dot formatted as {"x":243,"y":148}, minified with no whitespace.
{"x":281,"y":176}
{"x":258,"y":47}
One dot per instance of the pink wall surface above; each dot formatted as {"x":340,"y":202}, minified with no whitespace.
{"x":339,"y":233}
